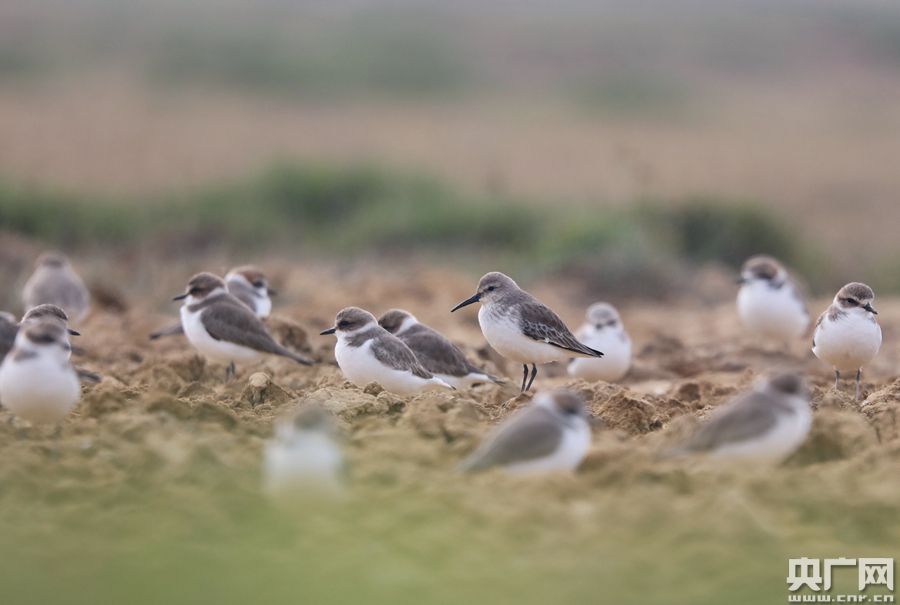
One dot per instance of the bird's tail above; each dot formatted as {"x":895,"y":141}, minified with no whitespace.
{"x":296,"y":357}
{"x":167,"y":331}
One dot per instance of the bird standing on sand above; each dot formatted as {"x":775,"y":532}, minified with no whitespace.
{"x":769,"y":302}
{"x":521,"y":328}
{"x":246,"y":283}
{"x":366,"y":353}
{"x":54,"y":281}
{"x":603,"y":331}
{"x":224,"y":329}
{"x":765,"y":425}
{"x":552,"y":434}
{"x":435,"y":352}
{"x":37,"y":382}
{"x":847,"y":334}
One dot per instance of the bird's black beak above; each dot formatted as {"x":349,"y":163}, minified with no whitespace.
{"x":272,"y":292}
{"x":181,"y":296}
{"x":74,"y":332}
{"x":328,"y":331}
{"x":740,"y":280}
{"x":870,"y":309}
{"x":472,"y":300}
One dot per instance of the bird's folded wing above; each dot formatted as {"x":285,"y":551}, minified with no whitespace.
{"x":235,"y":323}
{"x":437,"y":354}
{"x":530,"y":435}
{"x":747,"y":419}
{"x":392,"y":352}
{"x":540,"y":323}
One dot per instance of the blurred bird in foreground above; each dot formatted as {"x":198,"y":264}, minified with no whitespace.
{"x":551,"y":434}
{"x":37,"y":382}
{"x":765,"y":425}
{"x":304,"y":454}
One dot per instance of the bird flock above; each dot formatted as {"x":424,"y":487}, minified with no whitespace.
{"x":224,"y":320}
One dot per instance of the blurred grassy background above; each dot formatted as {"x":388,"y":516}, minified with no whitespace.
{"x":705,"y":132}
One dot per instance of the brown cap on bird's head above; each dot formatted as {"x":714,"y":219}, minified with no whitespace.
{"x":52,"y":259}
{"x":393,"y":320}
{"x":762,"y":267}
{"x":201,"y":285}
{"x":350,"y":320}
{"x":856,"y":296}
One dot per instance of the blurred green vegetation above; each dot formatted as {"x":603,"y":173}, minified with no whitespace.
{"x":643,"y":247}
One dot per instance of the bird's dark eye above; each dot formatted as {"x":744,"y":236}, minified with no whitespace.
{"x":194,"y":290}
{"x":852,"y":302}
{"x":259,"y":284}
{"x":491,"y":288}
{"x":343,"y":324}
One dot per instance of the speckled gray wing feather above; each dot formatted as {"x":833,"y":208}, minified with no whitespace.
{"x":436,"y":354}
{"x":534,"y":433}
{"x":231,"y":321}
{"x":748,"y":418}
{"x":393,"y":352}
{"x":540,"y":323}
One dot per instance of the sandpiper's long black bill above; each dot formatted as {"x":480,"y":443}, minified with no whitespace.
{"x":328,"y":331}
{"x":469,"y":301}
{"x":870,"y":309}
{"x":181,"y":296}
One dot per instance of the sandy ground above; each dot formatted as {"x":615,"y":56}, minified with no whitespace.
{"x":151,"y":494}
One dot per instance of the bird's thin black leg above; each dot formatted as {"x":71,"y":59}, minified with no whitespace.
{"x":858,"y":381}
{"x":230,"y":371}
{"x":524,"y":376}
{"x":837,"y":379}
{"x":533,"y":374}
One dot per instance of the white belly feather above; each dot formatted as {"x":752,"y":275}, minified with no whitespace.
{"x":504,"y":334}
{"x":848,"y":343}
{"x":215,"y":350}
{"x":40,"y":389}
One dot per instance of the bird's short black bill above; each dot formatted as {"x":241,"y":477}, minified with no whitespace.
{"x":181,"y":296}
{"x":328,"y":331}
{"x":870,"y":309}
{"x":272,"y":292}
{"x":469,"y":301}
{"x":73,"y":332}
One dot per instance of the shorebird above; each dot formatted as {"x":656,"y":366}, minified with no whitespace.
{"x":250,"y":286}
{"x":54,"y":281}
{"x":224,"y":329}
{"x":37,"y":315}
{"x":37,"y":383}
{"x":765,"y":425}
{"x":434,"y":351}
{"x":552,"y":434}
{"x":366,"y":353}
{"x":303,"y":454}
{"x":604,"y":332}
{"x":247,"y":284}
{"x":847,"y":335}
{"x":521,"y":328}
{"x":769,"y":302}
